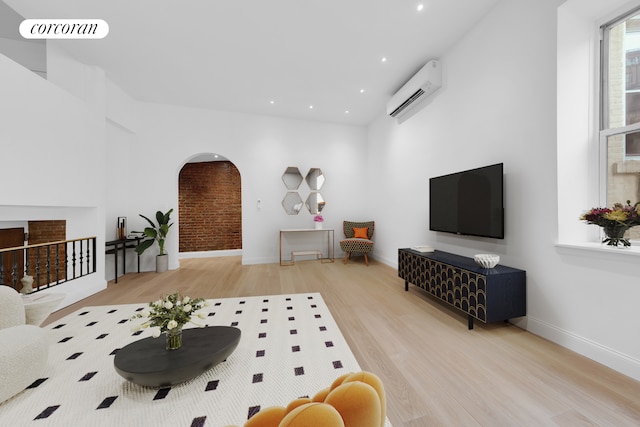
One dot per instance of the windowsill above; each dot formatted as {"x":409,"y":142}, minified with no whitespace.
{"x":584,"y":248}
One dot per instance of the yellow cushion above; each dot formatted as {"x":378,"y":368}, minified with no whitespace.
{"x":298,"y":402}
{"x":313,"y":414}
{"x":360,"y":233}
{"x":268,"y":417}
{"x":358,"y":403}
{"x":321,"y":395}
{"x":338,"y":381}
{"x":375,"y":382}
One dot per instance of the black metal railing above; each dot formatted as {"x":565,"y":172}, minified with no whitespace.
{"x":49,"y":264}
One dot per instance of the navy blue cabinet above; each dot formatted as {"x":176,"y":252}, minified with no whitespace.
{"x":485,"y":294}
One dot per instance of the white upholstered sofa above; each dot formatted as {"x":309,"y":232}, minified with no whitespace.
{"x":23,"y":348}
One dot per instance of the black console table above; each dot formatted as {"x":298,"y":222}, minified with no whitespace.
{"x":113,"y":246}
{"x":486,"y":294}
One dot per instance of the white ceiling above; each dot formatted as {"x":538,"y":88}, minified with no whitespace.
{"x":240,"y":55}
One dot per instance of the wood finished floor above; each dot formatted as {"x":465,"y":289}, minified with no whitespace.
{"x":436,"y":372}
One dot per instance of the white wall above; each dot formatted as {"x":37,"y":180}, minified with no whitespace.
{"x":493,"y":107}
{"x":42,"y":137}
{"x":261,"y":148}
{"x":49,"y":143}
{"x":498,"y":104}
{"x":30,"y":54}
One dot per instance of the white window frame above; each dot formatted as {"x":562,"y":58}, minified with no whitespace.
{"x":604,"y":69}
{"x":605,"y":131}
{"x":605,"y":134}
{"x":578,"y":126}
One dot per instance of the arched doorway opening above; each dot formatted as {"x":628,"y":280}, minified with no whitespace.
{"x":210,"y":205}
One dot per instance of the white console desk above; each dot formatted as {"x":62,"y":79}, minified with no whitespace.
{"x":318,"y":237}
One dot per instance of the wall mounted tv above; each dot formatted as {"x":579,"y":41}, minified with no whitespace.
{"x":468,"y":203}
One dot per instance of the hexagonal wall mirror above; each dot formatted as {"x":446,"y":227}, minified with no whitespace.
{"x":315,"y":179}
{"x":292,"y":203}
{"x":292,"y":178}
{"x":315,"y":203}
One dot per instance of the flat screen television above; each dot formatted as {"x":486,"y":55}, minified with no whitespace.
{"x":469,"y":203}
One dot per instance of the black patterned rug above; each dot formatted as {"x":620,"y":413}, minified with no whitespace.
{"x":290,"y":347}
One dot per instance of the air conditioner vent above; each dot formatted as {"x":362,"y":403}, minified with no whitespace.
{"x":407,"y":103}
{"x":417,"y":89}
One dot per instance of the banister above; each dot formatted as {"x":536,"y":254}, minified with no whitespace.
{"x":46,"y":244}
{"x":63,"y":261}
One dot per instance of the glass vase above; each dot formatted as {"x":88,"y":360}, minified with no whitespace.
{"x":614,"y":235}
{"x":174,"y":338}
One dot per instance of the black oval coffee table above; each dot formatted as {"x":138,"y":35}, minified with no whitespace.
{"x":148,"y":363}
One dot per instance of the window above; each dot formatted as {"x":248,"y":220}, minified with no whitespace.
{"x":620,"y":110}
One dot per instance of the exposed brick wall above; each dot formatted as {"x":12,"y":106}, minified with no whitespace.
{"x":210,"y":207}
{"x":47,"y":232}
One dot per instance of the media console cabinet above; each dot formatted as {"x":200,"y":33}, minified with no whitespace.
{"x":486,"y":294}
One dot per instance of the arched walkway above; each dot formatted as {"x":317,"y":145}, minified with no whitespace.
{"x":209,"y":205}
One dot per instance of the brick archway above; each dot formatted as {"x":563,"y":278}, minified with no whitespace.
{"x":210,"y":207}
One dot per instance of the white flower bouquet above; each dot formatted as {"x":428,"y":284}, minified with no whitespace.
{"x":169,"y":314}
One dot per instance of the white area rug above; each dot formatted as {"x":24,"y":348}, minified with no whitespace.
{"x":290,"y":347}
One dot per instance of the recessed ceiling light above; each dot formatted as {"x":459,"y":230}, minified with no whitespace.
{"x":384,"y":59}
{"x":346,"y":111}
{"x":272,"y":102}
{"x":420,"y":7}
{"x":361,"y":90}
{"x":311,"y":107}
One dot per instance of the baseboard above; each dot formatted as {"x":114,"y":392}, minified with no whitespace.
{"x":259,"y":260}
{"x":210,"y":254}
{"x":615,"y":360}
{"x":391,"y":262}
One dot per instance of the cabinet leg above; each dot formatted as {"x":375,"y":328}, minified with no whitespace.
{"x":470,"y":322}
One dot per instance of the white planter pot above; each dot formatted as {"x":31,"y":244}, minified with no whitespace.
{"x":318,"y":226}
{"x":162,"y":263}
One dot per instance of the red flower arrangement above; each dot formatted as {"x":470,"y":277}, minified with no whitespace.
{"x":615,"y":222}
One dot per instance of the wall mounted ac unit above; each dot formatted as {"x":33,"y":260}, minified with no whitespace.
{"x":417,"y":89}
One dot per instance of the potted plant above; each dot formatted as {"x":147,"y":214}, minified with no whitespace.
{"x":156,"y":233}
